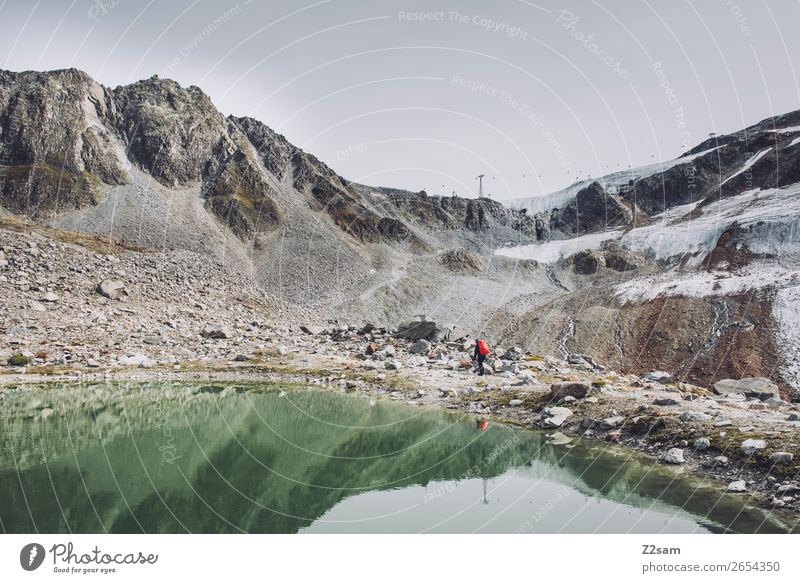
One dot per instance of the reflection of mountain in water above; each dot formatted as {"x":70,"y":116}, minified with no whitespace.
{"x":264,"y":463}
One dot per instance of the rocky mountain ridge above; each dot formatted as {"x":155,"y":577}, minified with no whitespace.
{"x":685,"y":266}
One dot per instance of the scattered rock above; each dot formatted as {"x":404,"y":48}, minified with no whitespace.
{"x":514,"y":353}
{"x":737,"y":486}
{"x":702,"y":443}
{"x":693,"y":416}
{"x":50,"y":297}
{"x":611,"y":422}
{"x":394,"y":365}
{"x":659,"y":376}
{"x":133,"y":359}
{"x":217,"y":331}
{"x":666,"y":401}
{"x":589,"y":423}
{"x":781,"y":457}
{"x":673,"y":456}
{"x":555,"y":416}
{"x":421,"y":346}
{"x":717,"y":462}
{"x":37,"y":307}
{"x":749,"y":446}
{"x":111,"y":289}
{"x":313,"y":330}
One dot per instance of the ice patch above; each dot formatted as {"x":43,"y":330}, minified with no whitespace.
{"x":786,"y":310}
{"x":794,"y":142}
{"x":788,"y":130}
{"x":698,"y":284}
{"x":774,"y":211}
{"x":552,"y":251}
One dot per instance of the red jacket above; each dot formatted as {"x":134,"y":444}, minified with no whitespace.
{"x":482,"y":347}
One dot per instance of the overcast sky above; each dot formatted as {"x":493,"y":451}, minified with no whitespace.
{"x":429,"y":94}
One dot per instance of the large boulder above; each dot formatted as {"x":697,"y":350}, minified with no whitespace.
{"x":218,"y":331}
{"x":587,"y":262}
{"x":569,"y":388}
{"x":673,"y":456}
{"x":462,"y":261}
{"x":421,"y":346}
{"x":749,"y":446}
{"x":755,"y":387}
{"x":420,"y":330}
{"x":555,"y":416}
{"x":111,"y":289}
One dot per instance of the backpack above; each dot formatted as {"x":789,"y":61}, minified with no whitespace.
{"x":483,"y":348}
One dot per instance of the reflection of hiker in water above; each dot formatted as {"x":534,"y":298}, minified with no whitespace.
{"x":481,"y":351}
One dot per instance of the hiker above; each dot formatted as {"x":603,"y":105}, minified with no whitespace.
{"x":481,"y":352}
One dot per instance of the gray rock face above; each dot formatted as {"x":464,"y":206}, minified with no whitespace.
{"x":111,"y":289}
{"x":574,"y":389}
{"x":59,"y":142}
{"x":755,"y":387}
{"x":593,"y":209}
{"x":673,"y":456}
{"x":749,"y":446}
{"x":169,"y":130}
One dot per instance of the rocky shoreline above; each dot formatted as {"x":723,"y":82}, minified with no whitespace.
{"x":91,"y":311}
{"x":709,"y":435}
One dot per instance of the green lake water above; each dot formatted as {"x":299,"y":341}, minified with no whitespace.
{"x":190,"y":457}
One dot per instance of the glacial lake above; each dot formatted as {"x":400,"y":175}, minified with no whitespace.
{"x":176,"y":457}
